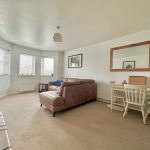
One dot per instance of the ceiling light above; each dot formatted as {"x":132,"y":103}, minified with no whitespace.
{"x":57,"y":36}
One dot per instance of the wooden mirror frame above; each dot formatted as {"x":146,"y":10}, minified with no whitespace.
{"x":128,"y":46}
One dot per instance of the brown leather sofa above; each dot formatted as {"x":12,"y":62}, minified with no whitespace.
{"x":72,"y":92}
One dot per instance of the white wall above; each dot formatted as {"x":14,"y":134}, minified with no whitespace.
{"x":10,"y":84}
{"x":96,"y":60}
{"x":4,"y":79}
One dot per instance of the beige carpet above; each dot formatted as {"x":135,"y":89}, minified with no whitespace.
{"x":88,"y":127}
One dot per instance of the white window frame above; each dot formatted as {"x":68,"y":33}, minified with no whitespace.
{"x":6,"y":62}
{"x":42,"y":67}
{"x":33,"y":67}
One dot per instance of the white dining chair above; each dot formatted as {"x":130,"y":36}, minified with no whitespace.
{"x":135,"y":95}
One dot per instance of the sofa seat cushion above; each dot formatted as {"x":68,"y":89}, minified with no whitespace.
{"x":53,"y":88}
{"x":52,"y":98}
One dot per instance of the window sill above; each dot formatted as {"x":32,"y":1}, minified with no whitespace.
{"x":46,"y":76}
{"x":4,"y":75}
{"x":26,"y":75}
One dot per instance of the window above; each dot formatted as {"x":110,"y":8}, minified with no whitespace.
{"x":27,"y":65}
{"x":47,"y":66}
{"x":4,"y":61}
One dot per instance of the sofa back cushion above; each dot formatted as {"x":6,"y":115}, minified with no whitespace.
{"x":64,"y":79}
{"x":72,"y":82}
{"x":73,"y":79}
{"x":80,"y":93}
{"x":68,"y":83}
{"x":83,"y":81}
{"x":87,"y":81}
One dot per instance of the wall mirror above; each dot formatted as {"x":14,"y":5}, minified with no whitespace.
{"x":133,"y":57}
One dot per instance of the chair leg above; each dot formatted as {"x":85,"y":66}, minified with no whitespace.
{"x":126,"y":109}
{"x":147,"y":112}
{"x":41,"y":105}
{"x":143,"y":115}
{"x":111,"y":105}
{"x":124,"y":103}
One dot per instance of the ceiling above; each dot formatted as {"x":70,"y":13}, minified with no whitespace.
{"x":32,"y":23}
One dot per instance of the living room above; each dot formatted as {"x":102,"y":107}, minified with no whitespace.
{"x":28,"y":47}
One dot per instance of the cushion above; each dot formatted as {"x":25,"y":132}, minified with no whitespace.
{"x":58,"y":82}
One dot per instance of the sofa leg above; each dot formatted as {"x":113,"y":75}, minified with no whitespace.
{"x":53,"y":114}
{"x":41,"y":105}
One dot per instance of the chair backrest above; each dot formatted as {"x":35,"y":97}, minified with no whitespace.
{"x":135,"y":94}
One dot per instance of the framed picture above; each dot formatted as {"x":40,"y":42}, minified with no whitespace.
{"x":75,"y":61}
{"x":129,"y":64}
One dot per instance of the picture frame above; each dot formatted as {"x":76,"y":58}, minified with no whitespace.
{"x":129,"y":64}
{"x":75,"y":61}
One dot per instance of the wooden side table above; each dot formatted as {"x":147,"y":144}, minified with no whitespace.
{"x":42,"y":87}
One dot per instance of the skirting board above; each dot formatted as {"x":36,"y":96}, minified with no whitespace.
{"x":103,"y":100}
{"x":3,"y":95}
{"x":115,"y":107}
{"x":15,"y":93}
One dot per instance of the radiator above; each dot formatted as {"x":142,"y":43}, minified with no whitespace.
{"x":24,"y":87}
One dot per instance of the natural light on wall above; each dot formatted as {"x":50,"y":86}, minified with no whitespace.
{"x":47,"y":66}
{"x":27,"y":65}
{"x":4,"y":62}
